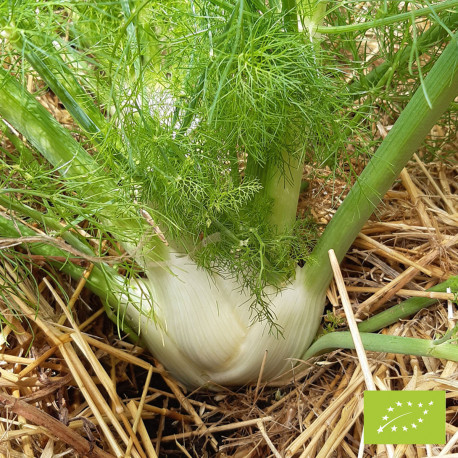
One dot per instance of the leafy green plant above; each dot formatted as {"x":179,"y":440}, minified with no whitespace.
{"x":192,"y":124}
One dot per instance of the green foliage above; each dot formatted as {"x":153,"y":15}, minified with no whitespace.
{"x":384,"y":63}
{"x":240,"y":90}
{"x":333,"y":322}
{"x":264,"y":92}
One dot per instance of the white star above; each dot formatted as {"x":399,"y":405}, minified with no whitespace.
{"x":404,"y":428}
{"x":399,"y":404}
{"x":414,"y":426}
{"x":420,"y":404}
{"x":420,"y":420}
{"x":409,"y":404}
{"x":425,"y":412}
{"x":390,"y":409}
{"x":380,"y":430}
{"x":385,"y":418}
{"x":431,"y":403}
{"x":393,"y":428}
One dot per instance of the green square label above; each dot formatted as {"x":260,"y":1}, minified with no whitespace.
{"x":404,"y":417}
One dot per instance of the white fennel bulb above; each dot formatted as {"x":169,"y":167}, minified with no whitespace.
{"x":202,"y":331}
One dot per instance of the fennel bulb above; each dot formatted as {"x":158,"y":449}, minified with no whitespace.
{"x":202,"y":330}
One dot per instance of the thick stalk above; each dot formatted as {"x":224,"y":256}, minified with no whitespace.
{"x":281,"y":185}
{"x":313,"y":17}
{"x":385,"y":343}
{"x":282,"y":181}
{"x":403,"y":140}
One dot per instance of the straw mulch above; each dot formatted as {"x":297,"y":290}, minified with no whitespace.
{"x":70,"y":386}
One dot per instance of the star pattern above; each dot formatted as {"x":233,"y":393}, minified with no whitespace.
{"x":402,"y":427}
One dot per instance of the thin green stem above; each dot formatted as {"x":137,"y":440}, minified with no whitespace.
{"x":47,"y":222}
{"x":104,"y":281}
{"x":189,"y":114}
{"x":406,"y":308}
{"x":133,"y":16}
{"x":384,"y":343}
{"x":425,"y":41}
{"x":397,"y":148}
{"x":388,"y":20}
{"x":449,"y":335}
{"x":376,"y":342}
{"x":98,"y":282}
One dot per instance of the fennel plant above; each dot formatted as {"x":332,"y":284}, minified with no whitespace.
{"x":193,"y":121}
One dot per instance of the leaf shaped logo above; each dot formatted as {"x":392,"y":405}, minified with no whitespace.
{"x":404,"y":417}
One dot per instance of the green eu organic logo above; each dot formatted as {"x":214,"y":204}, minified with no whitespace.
{"x":404,"y":417}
